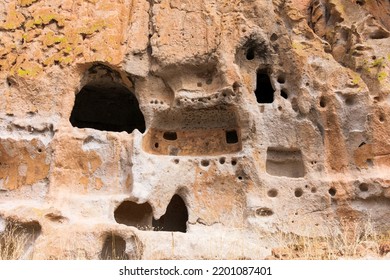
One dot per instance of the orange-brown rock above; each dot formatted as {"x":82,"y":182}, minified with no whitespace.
{"x":153,"y":125}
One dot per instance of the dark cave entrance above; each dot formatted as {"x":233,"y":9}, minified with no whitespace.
{"x":175,"y":217}
{"x":107,"y":106}
{"x":264,"y":91}
{"x":132,"y":214}
{"x":114,"y":248}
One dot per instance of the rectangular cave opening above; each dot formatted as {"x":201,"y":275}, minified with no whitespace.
{"x":264,"y":91}
{"x":285,"y":162}
{"x":231,"y":137}
{"x":170,"y":135}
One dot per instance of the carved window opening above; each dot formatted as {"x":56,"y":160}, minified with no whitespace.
{"x":231,"y":137}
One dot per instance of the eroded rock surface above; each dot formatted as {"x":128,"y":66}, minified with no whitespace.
{"x":192,"y":129}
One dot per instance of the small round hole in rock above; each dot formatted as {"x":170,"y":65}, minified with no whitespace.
{"x":234,"y":162}
{"x":298,"y":192}
{"x":156,"y":145}
{"x":205,"y":162}
{"x":381,"y":118}
{"x":222,"y":160}
{"x":272,"y":193}
{"x":240,"y":178}
{"x":281,"y":80}
{"x":363,"y":187}
{"x":332,"y":191}
{"x":349,"y":100}
{"x":322,"y":102}
{"x":236,"y":86}
{"x":264,"y":211}
{"x":9,"y":82}
{"x":313,"y":189}
{"x":274,"y":37}
{"x":176,"y":161}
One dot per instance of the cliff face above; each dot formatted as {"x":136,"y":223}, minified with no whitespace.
{"x":218,"y":123}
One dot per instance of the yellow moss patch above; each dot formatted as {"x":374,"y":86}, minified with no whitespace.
{"x":59,"y":57}
{"x":298,"y":47}
{"x":89,"y":29}
{"x":44,"y":17}
{"x":50,"y":39}
{"x":25,"y":163}
{"x":28,"y":69}
{"x":30,"y":35}
{"x":382,"y":76}
{"x":378,"y":62}
{"x":14,"y":19}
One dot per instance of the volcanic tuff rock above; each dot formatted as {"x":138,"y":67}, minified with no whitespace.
{"x":191,"y":129}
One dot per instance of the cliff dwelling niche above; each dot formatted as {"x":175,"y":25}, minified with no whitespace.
{"x":114,"y":248}
{"x":107,"y":105}
{"x":285,"y":162}
{"x":132,"y":214}
{"x":264,"y":91}
{"x":17,"y":239}
{"x":213,"y":131}
{"x":175,"y":217}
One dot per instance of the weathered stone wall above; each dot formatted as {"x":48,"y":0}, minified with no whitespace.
{"x":218,"y":123}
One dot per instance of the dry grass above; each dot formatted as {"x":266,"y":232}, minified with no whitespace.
{"x":13,"y":242}
{"x":356,"y":240}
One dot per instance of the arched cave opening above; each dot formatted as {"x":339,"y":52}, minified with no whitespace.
{"x":107,"y":106}
{"x":114,"y":248}
{"x":175,"y":217}
{"x":264,"y":91}
{"x":17,"y":239}
{"x":132,"y":214}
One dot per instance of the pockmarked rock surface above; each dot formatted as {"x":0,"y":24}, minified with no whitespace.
{"x":192,"y":129}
